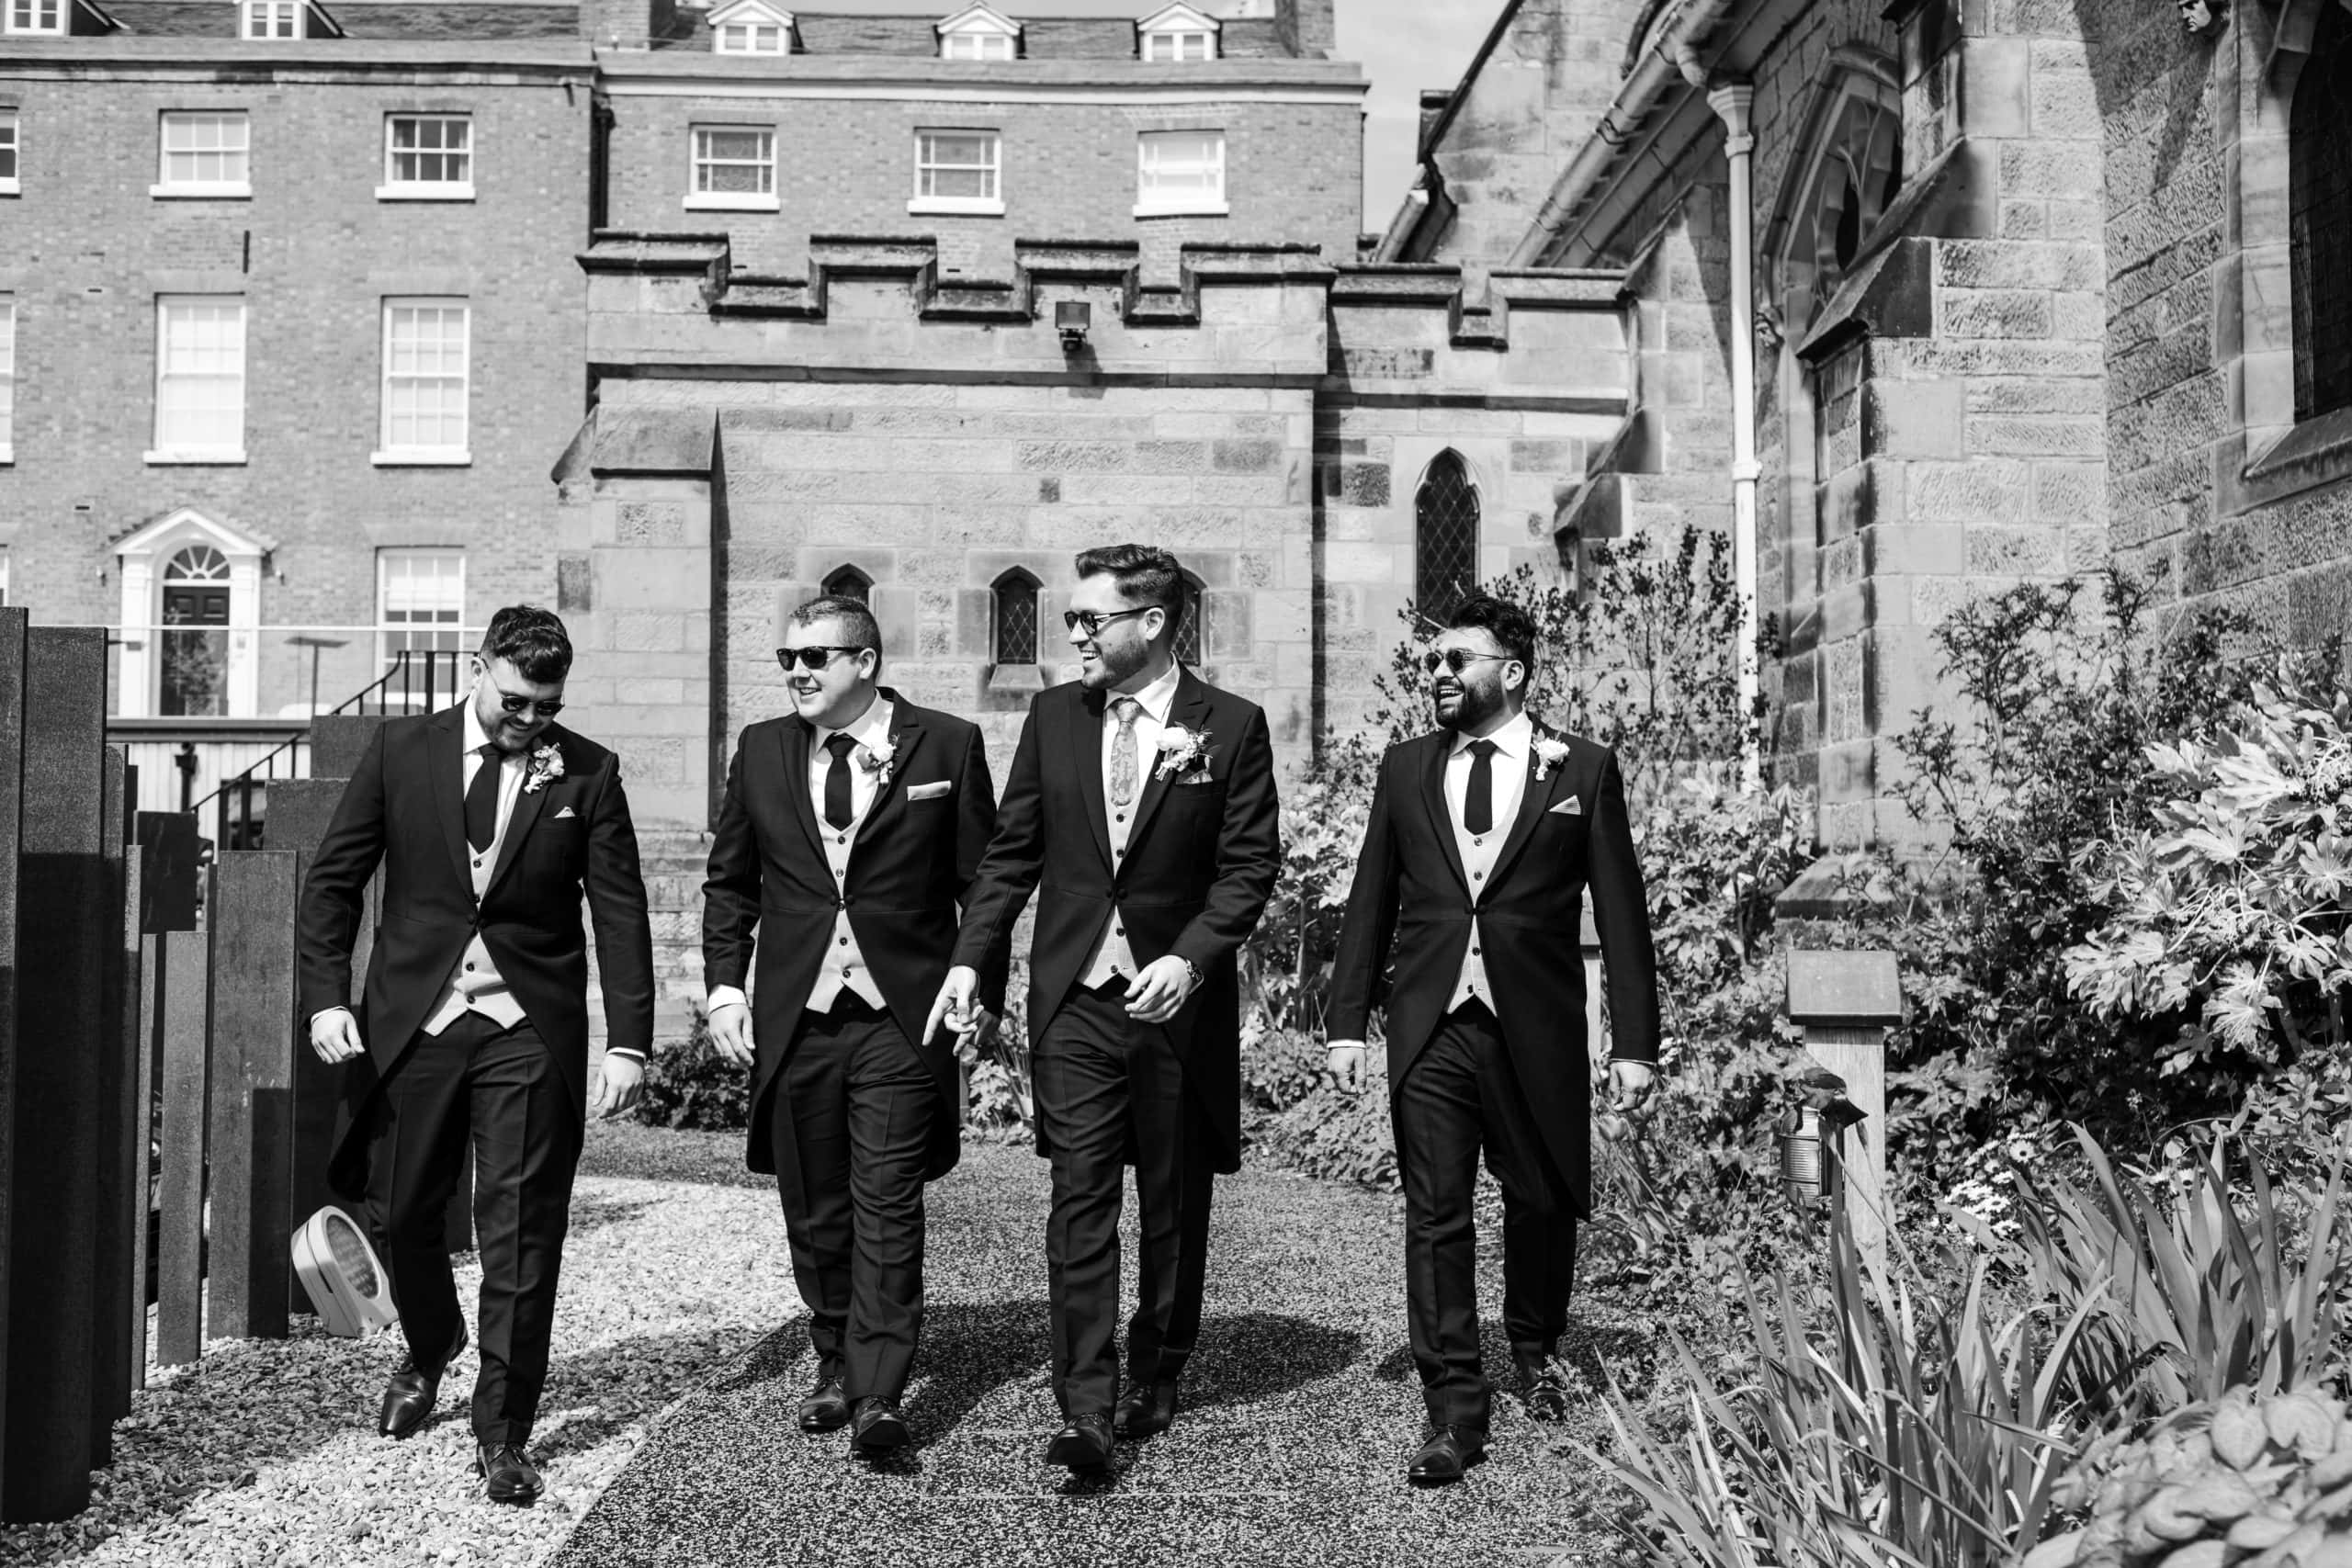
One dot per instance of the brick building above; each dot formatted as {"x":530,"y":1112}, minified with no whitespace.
{"x":1929,"y":297}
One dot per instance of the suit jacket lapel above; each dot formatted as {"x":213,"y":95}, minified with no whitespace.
{"x":906,"y":734}
{"x":792,"y":736}
{"x":445,"y":758}
{"x":1086,"y":758}
{"x":1433,"y":798}
{"x":527,"y":806}
{"x":1189,"y":709}
{"x":1534,"y":799}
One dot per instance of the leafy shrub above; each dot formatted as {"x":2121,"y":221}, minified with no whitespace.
{"x":1336,"y":1134}
{"x":1279,"y":1067}
{"x":1286,"y":962}
{"x":691,"y":1085}
{"x":2237,"y":1479}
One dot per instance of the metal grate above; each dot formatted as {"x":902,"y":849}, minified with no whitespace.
{"x":1445,"y":536}
{"x":1188,"y":636}
{"x":848,"y":582}
{"x":1016,"y":618}
{"x":2320,"y":220}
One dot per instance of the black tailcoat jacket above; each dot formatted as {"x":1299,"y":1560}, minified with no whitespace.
{"x":1201,"y":862}
{"x":405,"y":808}
{"x":910,"y":866}
{"x":1411,"y":893}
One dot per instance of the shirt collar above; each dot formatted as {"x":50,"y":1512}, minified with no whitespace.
{"x":1156,"y":698}
{"x":869,"y":730}
{"x":1512,"y":742}
{"x":470,"y":734}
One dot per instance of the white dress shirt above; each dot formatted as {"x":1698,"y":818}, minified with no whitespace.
{"x":1508,"y":766}
{"x":844,"y":968}
{"x":1113,"y":959}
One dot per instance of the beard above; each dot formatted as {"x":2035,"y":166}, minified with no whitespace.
{"x":1479,"y":702}
{"x":1112,"y":665}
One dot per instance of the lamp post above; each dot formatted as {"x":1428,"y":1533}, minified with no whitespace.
{"x":315,"y":644}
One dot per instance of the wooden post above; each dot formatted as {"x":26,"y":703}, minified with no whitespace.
{"x":118,"y":1079}
{"x":183,"y":1006}
{"x":148,"y":1021}
{"x":1845,"y":1002}
{"x":251,"y":918}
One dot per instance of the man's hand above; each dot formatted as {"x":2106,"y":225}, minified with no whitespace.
{"x":335,"y":1035}
{"x":957,"y":1008}
{"x":1347,"y":1063}
{"x":1159,"y":990}
{"x":969,"y":1040}
{"x":622,"y":1087}
{"x":1629,"y":1084}
{"x":731,"y":1032}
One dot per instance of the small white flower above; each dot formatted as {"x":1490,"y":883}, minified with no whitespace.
{"x":878,"y":759}
{"x":1549,"y":754}
{"x":546,"y":763}
{"x":1182,"y":749}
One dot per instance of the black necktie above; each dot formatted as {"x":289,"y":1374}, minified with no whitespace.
{"x":836,"y":810}
{"x":481,"y":801}
{"x":1478,"y":803}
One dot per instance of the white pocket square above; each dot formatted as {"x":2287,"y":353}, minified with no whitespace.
{"x":930,"y":791}
{"x":1199,"y":778}
{"x":559,"y":816}
{"x":1572,"y":806}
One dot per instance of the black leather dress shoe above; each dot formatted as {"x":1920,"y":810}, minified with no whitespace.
{"x":826,"y":1408}
{"x":1544,"y":1389}
{"x":1084,"y":1444}
{"x":1145,"y":1412}
{"x":1447,"y":1455}
{"x":878,"y":1428}
{"x":409,"y":1391}
{"x":507,"y":1473}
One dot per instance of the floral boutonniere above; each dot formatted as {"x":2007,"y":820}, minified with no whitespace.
{"x":878,"y":759}
{"x":1181,"y":750}
{"x":1549,"y":754}
{"x":546,"y":763}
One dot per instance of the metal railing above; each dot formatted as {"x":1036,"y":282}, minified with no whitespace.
{"x":419,"y":681}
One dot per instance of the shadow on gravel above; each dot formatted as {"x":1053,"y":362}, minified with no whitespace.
{"x":969,"y":1351}
{"x":1246,"y":1356}
{"x":591,"y":1396}
{"x":595,"y":1214}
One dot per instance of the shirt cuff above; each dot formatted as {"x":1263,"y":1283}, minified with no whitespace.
{"x":725,"y":997}
{"x":625,"y":1051}
{"x":323,"y":1011}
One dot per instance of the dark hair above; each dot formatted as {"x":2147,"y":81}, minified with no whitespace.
{"x":1145,"y":574}
{"x":855,"y":616}
{"x":532,"y":639}
{"x":1512,"y":627}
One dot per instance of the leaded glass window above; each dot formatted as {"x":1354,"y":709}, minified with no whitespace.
{"x":848,"y":582}
{"x":1015,"y":596}
{"x":1445,"y":535}
{"x":2319,"y":234}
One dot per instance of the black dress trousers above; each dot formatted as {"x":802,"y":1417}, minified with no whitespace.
{"x":1462,"y":1094}
{"x":498,"y":1087}
{"x":859,"y":1104}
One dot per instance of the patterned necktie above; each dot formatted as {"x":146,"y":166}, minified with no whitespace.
{"x":1478,"y":803}
{"x":481,"y":801}
{"x":837,"y":797}
{"x":1123,"y":750}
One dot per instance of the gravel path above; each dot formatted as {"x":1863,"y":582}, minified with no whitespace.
{"x":265,"y":1452}
{"x":1300,"y":1411}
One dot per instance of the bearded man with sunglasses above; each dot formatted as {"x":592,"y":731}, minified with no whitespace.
{"x":851,"y":828}
{"x":1484,"y":838}
{"x":1142,"y":799}
{"x":490,"y":821}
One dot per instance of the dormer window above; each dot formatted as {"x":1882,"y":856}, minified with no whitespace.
{"x":271,"y":18}
{"x":1174,"y":34}
{"x":37,"y":16}
{"x":748,"y":27}
{"x":978,"y":32}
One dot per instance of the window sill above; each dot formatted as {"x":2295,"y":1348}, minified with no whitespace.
{"x":957,"y":206}
{"x":228,"y":460}
{"x":393,"y":457}
{"x":1199,"y":209}
{"x":238,"y":190}
{"x":7,"y":453}
{"x":421,"y":192}
{"x":10,"y":187}
{"x":713,"y":201}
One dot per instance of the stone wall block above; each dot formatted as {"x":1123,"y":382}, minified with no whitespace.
{"x":1914,"y":419}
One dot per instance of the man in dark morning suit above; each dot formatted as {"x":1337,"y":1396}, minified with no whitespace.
{"x":851,"y":828}
{"x":1142,"y":799}
{"x":1483,"y":838}
{"x":490,"y":820}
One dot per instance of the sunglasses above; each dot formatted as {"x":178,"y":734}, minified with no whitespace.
{"x":1092,"y":621}
{"x":1454,"y":658}
{"x":509,"y":702}
{"x":815,"y":656}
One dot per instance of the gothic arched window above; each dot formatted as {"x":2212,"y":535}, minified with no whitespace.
{"x":2319,"y":223}
{"x":1445,"y":535}
{"x":1014,"y":607}
{"x":848,"y":582}
{"x":1188,"y":634}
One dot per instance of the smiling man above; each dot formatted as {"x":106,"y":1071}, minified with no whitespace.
{"x":1484,"y":838}
{"x":1142,"y":799}
{"x":490,"y":820}
{"x":851,"y":828}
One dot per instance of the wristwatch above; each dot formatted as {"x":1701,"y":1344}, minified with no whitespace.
{"x":1191,"y":968}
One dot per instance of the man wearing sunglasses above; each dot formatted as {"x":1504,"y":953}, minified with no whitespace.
{"x":851,"y":828}
{"x":1484,"y":838}
{"x":490,"y":820}
{"x":1142,"y":798}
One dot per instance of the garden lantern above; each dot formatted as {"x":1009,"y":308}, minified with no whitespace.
{"x":1809,"y":1130}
